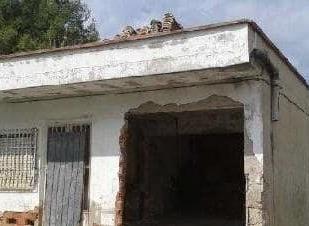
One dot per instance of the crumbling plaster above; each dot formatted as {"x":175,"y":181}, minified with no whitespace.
{"x":289,"y":139}
{"x":275,"y":149}
{"x":181,"y":52}
{"x":107,"y":113}
{"x":183,"y":59}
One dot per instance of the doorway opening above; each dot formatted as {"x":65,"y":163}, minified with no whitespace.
{"x":185,"y":168}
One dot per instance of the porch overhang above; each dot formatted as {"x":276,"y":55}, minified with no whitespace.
{"x":199,"y":55}
{"x":203,"y":55}
{"x":132,"y":84}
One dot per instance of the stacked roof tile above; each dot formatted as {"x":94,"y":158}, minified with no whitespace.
{"x":168,"y":24}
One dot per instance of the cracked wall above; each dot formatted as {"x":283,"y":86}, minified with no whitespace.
{"x":183,"y":52}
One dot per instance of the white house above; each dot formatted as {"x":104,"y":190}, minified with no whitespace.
{"x":199,"y":126}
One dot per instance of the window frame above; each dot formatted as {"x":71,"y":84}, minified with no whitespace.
{"x":30,"y":135}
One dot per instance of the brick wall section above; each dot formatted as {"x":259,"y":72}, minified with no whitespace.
{"x":254,"y":199}
{"x":19,"y":218}
{"x":119,"y":206}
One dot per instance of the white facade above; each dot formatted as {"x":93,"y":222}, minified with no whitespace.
{"x":106,"y":114}
{"x":99,"y":69}
{"x":98,"y":85}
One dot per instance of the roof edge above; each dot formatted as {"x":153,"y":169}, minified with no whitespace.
{"x":107,"y":42}
{"x":270,"y":43}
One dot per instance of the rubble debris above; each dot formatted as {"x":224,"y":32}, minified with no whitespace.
{"x":143,"y":30}
{"x":170,"y":23}
{"x":127,"y":32}
{"x":167,"y":24}
{"x":156,"y":26}
{"x":28,"y":218}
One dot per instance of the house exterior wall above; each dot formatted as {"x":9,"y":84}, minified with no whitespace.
{"x":181,"y":52}
{"x":106,"y":114}
{"x":276,"y":156}
{"x":291,"y":165}
{"x":290,"y":144}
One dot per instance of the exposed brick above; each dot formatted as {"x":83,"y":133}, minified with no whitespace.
{"x":119,"y":204}
{"x":10,"y":218}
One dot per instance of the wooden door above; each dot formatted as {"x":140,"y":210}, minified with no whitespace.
{"x":67,"y":175}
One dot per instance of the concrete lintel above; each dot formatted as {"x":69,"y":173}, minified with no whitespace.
{"x":231,"y":74}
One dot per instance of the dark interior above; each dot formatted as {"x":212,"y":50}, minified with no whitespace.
{"x":186,"y":169}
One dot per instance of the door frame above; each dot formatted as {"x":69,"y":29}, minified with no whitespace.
{"x":43,"y":137}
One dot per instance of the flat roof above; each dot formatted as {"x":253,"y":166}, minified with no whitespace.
{"x":107,"y":42}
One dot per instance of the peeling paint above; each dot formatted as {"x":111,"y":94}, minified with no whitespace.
{"x":107,"y":115}
{"x":207,"y":50}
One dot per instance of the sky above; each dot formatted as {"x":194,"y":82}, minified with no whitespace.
{"x":286,"y":22}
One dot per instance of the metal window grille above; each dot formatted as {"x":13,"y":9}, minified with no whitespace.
{"x":18,"y":159}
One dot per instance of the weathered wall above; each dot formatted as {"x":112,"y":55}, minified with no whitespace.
{"x":290,"y":144}
{"x":291,"y":165}
{"x":107,"y":68}
{"x":106,"y":113}
{"x":217,"y":47}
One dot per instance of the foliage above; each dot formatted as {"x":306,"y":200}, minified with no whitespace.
{"x":35,"y":24}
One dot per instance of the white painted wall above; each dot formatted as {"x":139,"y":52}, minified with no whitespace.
{"x":217,"y":47}
{"x":290,"y":145}
{"x":106,"y":114}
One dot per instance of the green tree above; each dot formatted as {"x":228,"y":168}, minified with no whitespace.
{"x":36,"y":24}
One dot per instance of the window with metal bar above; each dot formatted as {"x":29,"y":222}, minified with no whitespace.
{"x":18,"y":159}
